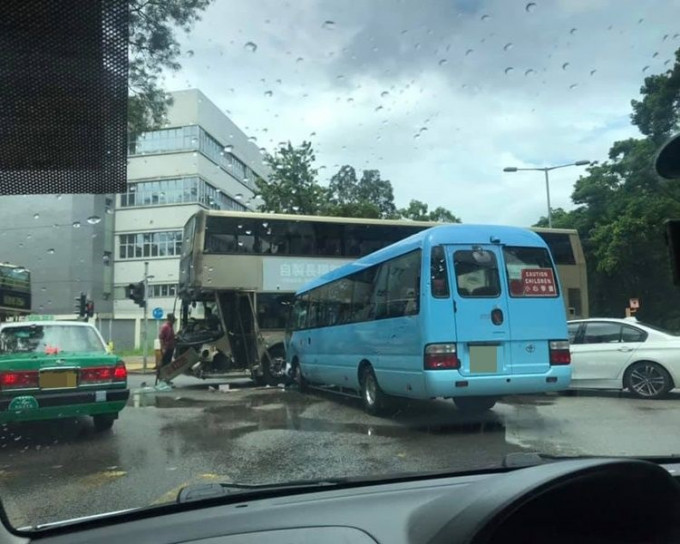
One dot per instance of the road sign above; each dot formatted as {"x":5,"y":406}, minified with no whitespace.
{"x":634,"y":303}
{"x":157,"y":313}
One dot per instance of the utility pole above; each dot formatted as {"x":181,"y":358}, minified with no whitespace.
{"x":146,"y":321}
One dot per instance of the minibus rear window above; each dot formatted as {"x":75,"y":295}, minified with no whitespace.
{"x":476,"y":273}
{"x":530,"y":272}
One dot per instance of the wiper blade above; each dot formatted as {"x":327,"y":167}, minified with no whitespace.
{"x":199,"y":492}
{"x":530,"y":459}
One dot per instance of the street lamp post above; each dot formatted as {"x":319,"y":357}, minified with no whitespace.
{"x":545,"y":170}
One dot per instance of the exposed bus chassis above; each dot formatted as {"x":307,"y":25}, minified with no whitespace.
{"x":228,"y":339}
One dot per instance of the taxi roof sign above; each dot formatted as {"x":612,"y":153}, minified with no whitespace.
{"x":39,"y":317}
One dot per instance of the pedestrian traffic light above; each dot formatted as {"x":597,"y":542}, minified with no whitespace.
{"x":80,"y":305}
{"x":135,"y":292}
{"x":89,"y":309}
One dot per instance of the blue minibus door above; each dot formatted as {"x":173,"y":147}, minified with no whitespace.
{"x":480,"y":307}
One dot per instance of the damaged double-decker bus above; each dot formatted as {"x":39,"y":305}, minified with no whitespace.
{"x":239,"y":272}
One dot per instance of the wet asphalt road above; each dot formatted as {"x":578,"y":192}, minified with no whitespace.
{"x":61,"y":470}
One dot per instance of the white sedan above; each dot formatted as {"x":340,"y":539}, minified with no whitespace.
{"x":624,"y":354}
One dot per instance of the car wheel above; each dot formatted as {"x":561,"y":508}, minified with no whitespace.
{"x":474,"y":405}
{"x":647,"y":380}
{"x":103,"y":422}
{"x":274,"y":366}
{"x":374,"y":400}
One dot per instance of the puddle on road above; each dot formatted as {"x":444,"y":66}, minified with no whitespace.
{"x":278,"y":410}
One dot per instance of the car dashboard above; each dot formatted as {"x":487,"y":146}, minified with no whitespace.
{"x":585,"y":501}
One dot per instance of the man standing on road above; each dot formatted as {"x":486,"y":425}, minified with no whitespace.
{"x":167,"y":338}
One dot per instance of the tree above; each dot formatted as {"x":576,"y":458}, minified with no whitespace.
{"x":418,"y":211}
{"x":657,"y":115}
{"x":153,"y":48}
{"x":370,"y":196}
{"x":292,"y":185}
{"x":621,"y":207}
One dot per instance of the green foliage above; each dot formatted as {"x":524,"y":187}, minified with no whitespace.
{"x":153,"y":48}
{"x":292,"y":185}
{"x":621,"y":208}
{"x":369,"y":196}
{"x":418,"y":211}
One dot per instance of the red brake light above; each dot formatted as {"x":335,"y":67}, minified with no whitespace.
{"x":97,"y":374}
{"x":120,"y":372}
{"x":559,"y":352}
{"x":19,"y":380}
{"x":441,"y":357}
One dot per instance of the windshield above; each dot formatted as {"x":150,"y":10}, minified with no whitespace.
{"x":49,"y":340}
{"x":329,"y":239}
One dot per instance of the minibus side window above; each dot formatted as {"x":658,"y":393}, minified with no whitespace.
{"x":438,"y":273}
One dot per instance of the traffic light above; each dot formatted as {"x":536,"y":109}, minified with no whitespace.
{"x":135,"y":292}
{"x":80,"y":305}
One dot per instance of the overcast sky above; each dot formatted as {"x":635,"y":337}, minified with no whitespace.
{"x":439,"y":95}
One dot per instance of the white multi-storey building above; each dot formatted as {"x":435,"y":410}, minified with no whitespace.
{"x":200,"y":159}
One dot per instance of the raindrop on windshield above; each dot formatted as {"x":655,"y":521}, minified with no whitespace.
{"x":507,"y":46}
{"x":265,"y":224}
{"x":76,"y":224}
{"x":384,"y":94}
{"x":36,"y":216}
{"x":94,"y":219}
{"x":572,"y":31}
{"x":666,"y":63}
{"x":295,"y":208}
{"x":328,"y":25}
{"x":250,"y":46}
{"x":252,"y":138}
{"x":58,"y":197}
{"x":509,"y":70}
{"x":593,"y":72}
{"x":299,"y":59}
{"x":573,"y":86}
{"x":565,"y":66}
{"x":228,"y":148}
{"x":485,"y":17}
{"x":350,"y":99}
{"x":531,"y":6}
{"x":190,"y":53}
{"x":656,"y":54}
{"x":268,"y":94}
{"x":640,"y":20}
{"x":469,"y":51}
{"x":378,"y":108}
{"x":50,"y":251}
{"x":238,"y":196}
{"x":529,"y":72}
{"x":645,"y":68}
{"x":442,"y":62}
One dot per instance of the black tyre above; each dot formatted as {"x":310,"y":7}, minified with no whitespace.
{"x":647,"y":380}
{"x":103,"y":422}
{"x":374,"y":400}
{"x":474,"y":405}
{"x":274,"y":366}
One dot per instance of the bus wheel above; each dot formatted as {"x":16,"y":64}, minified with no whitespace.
{"x":274,"y":366}
{"x":374,"y":400}
{"x":474,"y":405}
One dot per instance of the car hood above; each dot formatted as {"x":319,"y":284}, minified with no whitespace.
{"x":36,"y":361}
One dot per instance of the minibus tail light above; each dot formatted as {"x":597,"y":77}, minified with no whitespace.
{"x":559,"y":352}
{"x":441,"y":357}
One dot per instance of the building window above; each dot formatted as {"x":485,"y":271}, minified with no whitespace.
{"x":191,"y":138}
{"x":162,"y":290}
{"x":185,"y":190}
{"x":150,"y":244}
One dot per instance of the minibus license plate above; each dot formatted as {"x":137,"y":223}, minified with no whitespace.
{"x":483,"y":359}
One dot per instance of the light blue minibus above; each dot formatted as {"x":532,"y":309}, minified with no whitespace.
{"x":467,"y":312}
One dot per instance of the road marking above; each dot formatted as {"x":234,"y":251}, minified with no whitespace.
{"x":171,"y":495}
{"x":100,"y":478}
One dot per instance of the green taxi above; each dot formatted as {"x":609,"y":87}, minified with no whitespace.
{"x":59,"y":369}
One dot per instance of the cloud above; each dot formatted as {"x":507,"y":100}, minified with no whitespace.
{"x":438,"y":95}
